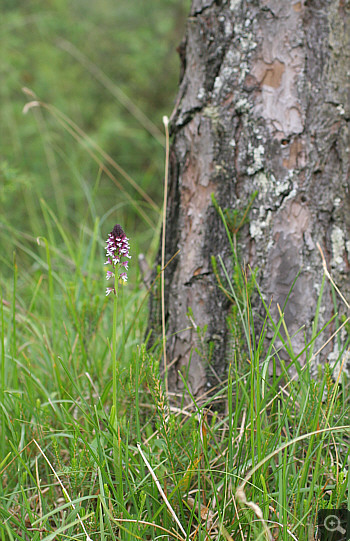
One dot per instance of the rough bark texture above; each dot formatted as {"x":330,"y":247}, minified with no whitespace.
{"x":263,"y":104}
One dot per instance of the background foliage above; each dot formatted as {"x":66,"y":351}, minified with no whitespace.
{"x":95,"y":62}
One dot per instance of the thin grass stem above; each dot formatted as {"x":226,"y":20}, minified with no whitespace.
{"x":166,"y":122}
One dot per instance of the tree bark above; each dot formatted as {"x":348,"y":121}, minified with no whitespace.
{"x":263,"y":104}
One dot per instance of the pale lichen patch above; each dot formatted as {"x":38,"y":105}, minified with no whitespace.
{"x":234,"y":4}
{"x":201,"y":93}
{"x":256,"y":230}
{"x":338,"y":245}
{"x":242,"y":105}
{"x":282,"y":187}
{"x":211,"y":112}
{"x":228,"y":27}
{"x":232,"y":58}
{"x":258,"y":153}
{"x":263,"y":184}
{"x":257,"y":227}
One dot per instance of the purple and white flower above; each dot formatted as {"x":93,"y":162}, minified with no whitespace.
{"x":117,"y":249}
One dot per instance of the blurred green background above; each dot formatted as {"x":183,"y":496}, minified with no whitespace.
{"x":107,"y":70}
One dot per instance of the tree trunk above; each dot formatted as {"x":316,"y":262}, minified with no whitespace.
{"x":264,"y":105}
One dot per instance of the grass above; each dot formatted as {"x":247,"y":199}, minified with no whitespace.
{"x":254,"y":459}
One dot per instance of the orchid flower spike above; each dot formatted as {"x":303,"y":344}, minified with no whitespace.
{"x":117,"y":252}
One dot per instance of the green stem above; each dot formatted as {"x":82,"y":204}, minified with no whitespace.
{"x":115,"y":403}
{"x":14,"y":328}
{"x":114,"y":350}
